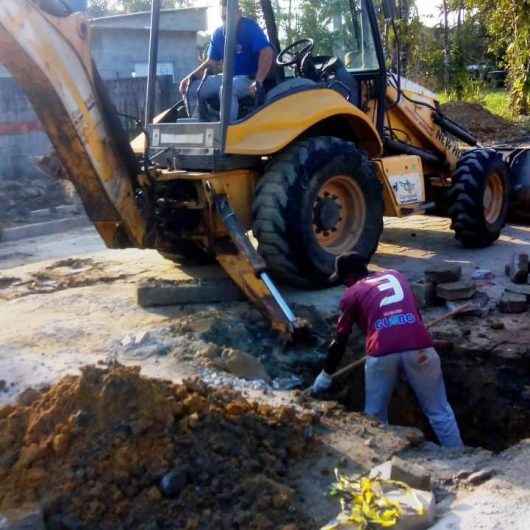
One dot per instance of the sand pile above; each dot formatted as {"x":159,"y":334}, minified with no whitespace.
{"x":486,"y":126}
{"x":114,"y":450}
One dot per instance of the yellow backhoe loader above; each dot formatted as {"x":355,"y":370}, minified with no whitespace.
{"x":336,"y":143}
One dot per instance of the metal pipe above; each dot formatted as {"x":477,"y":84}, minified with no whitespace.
{"x":406,"y":149}
{"x":455,"y":129}
{"x":153,"y":61}
{"x":282,"y":304}
{"x":229,"y":55}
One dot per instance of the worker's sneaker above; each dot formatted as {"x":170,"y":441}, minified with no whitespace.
{"x":322,"y":383}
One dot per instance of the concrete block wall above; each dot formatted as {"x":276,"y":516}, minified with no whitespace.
{"x":21,"y":134}
{"x":117,"y":53}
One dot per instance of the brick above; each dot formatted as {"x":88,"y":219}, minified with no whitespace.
{"x":206,"y":292}
{"x":517,"y":269}
{"x":523,"y":290}
{"x":451,"y":292}
{"x":443,"y":273}
{"x":425,"y":294}
{"x":513,"y":303}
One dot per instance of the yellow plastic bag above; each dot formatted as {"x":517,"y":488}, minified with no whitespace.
{"x":363,"y":503}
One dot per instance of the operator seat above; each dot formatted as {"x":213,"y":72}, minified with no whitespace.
{"x":289,"y":85}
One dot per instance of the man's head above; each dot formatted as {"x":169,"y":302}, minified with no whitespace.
{"x":350,"y":268}
{"x":222,"y":4}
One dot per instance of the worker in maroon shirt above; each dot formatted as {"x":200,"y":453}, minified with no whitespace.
{"x":383,"y":306}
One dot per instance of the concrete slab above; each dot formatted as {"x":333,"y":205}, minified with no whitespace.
{"x":156,"y":294}
{"x":45,"y":228}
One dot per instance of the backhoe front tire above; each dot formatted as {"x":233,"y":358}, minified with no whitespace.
{"x":479,"y":198}
{"x":317,"y":200}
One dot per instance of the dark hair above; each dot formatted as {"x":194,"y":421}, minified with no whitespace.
{"x":350,"y":266}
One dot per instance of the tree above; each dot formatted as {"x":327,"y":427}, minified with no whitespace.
{"x":508,"y":23}
{"x":133,"y":6}
{"x":99,"y":8}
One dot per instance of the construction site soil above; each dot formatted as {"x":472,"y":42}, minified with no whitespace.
{"x":111,"y":449}
{"x":23,"y":194}
{"x":486,"y":126}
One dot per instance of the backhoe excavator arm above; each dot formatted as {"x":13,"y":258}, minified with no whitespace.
{"x":49,"y":56}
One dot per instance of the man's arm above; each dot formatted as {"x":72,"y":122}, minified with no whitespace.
{"x":336,"y":349}
{"x":198,"y":72}
{"x":266,"y":57}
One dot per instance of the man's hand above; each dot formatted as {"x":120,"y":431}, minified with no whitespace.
{"x":254,"y":87}
{"x":322,"y":384}
{"x":257,"y":91}
{"x":184,"y":85}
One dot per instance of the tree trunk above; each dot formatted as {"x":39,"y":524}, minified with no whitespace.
{"x":446,"y":44}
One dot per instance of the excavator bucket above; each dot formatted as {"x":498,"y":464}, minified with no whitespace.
{"x":46,"y":49}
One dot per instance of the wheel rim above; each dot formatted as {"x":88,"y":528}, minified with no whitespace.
{"x":493,"y":198}
{"x":339,"y":214}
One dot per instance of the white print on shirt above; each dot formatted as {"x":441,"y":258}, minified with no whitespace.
{"x":388,"y":282}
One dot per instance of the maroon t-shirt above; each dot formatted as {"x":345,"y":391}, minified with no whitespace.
{"x":384,"y":307}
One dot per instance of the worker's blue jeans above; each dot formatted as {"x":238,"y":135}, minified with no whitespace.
{"x":423,"y":371}
{"x":212,"y":87}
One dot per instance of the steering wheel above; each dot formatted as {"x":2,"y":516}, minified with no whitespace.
{"x":294,"y":53}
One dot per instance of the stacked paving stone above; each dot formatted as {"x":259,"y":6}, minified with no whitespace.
{"x":516,"y":297}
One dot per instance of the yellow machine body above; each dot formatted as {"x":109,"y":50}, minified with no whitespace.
{"x":50,"y":59}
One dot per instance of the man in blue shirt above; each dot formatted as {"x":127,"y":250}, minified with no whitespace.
{"x":253,"y":61}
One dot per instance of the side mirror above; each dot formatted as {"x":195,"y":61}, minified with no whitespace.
{"x":390,"y":10}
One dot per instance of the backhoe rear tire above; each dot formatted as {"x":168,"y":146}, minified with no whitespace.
{"x":479,"y":198}
{"x":317,"y":200}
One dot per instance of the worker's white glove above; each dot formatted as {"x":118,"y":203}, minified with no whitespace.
{"x":322,"y":383}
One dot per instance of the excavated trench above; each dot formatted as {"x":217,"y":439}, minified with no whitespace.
{"x":489,"y":392}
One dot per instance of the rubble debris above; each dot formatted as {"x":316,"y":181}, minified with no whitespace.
{"x":156,"y":293}
{"x":452,"y":292}
{"x":111,"y":448}
{"x":497,"y":325}
{"x":22,"y":194}
{"x":481,"y":476}
{"x":511,"y":303}
{"x":517,"y":269}
{"x":443,"y":273}
{"x":414,"y":475}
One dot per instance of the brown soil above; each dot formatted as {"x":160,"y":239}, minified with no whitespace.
{"x":487,"y":127}
{"x":94,"y":448}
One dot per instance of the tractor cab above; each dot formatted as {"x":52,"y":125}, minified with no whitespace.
{"x":343,"y":56}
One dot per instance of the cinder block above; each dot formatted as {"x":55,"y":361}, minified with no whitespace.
{"x":425,"y":294}
{"x":517,"y":269}
{"x":451,"y":292}
{"x":522,"y":290}
{"x":513,"y":303}
{"x":443,"y":273}
{"x":205,"y":292}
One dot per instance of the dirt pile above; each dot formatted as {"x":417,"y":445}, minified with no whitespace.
{"x":21,"y":195}
{"x":114,"y":450}
{"x":487,"y":127}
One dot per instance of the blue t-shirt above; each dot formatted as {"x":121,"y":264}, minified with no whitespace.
{"x":250,"y":41}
